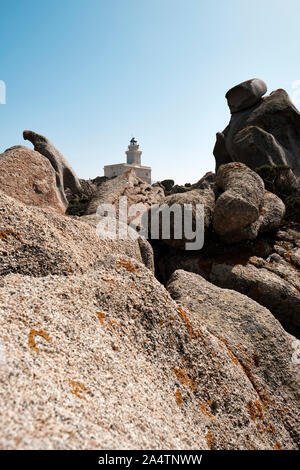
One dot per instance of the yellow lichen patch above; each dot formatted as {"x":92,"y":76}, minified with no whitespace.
{"x":209,"y":439}
{"x":101,"y":317}
{"x":205,"y":409}
{"x":183,"y":378}
{"x":178,"y":397}
{"x":4,"y":235}
{"x":31,"y":339}
{"x":130,"y":267}
{"x":277,"y":446}
{"x":184,"y":317}
{"x":78,"y":389}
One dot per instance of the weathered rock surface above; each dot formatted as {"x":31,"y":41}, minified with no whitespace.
{"x":38,"y":242}
{"x":147,"y":253}
{"x":27,"y":176}
{"x":129,"y":185}
{"x":106,"y":359}
{"x":244,"y":209}
{"x":65,"y":175}
{"x":246,"y":94}
{"x":268,"y":133}
{"x":272,"y":213}
{"x":254,"y":340}
{"x":240,"y":204}
{"x":265,"y":269}
{"x":274,"y":285}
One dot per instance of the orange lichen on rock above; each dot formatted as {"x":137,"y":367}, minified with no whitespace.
{"x":112,"y":324}
{"x":130,"y":267}
{"x":204,"y":408}
{"x":31,"y":339}
{"x":231,"y":355}
{"x":183,"y":378}
{"x":255,"y":410}
{"x":251,"y":410}
{"x":201,"y":335}
{"x":259,"y":390}
{"x":101,"y":317}
{"x":259,"y":410}
{"x":178,"y":397}
{"x":4,"y":235}
{"x":277,"y":446}
{"x":184,"y":317}
{"x":78,"y":389}
{"x":209,"y":439}
{"x":271,"y":428}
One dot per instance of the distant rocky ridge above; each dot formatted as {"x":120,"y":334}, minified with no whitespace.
{"x":140,"y":344}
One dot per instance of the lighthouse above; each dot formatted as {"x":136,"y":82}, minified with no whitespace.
{"x":133,"y":162}
{"x":133,"y":153}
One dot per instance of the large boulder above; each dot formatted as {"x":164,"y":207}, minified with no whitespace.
{"x":239,"y":206}
{"x":244,"y":208}
{"x":65,"y":175}
{"x":267,"y":133}
{"x":274,"y":284}
{"x":245,"y":95}
{"x":38,"y":242}
{"x":27,"y":176}
{"x":272,"y":213}
{"x":255,"y":342}
{"x":106,"y":359}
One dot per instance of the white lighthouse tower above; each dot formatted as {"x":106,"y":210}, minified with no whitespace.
{"x":133,"y":163}
{"x":133,"y":153}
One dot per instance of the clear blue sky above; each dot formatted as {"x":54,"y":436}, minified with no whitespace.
{"x":89,"y":74}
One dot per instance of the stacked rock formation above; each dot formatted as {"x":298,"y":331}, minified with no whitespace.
{"x":112,"y":343}
{"x":261,"y":131}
